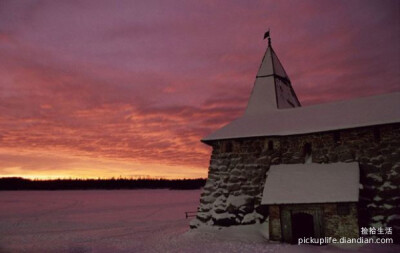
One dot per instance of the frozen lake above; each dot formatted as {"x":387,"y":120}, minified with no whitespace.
{"x":125,"y":221}
{"x":100,"y":220}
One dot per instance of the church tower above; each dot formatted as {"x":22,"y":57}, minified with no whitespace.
{"x":272,"y":89}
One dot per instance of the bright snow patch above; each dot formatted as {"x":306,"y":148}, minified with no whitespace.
{"x":238,"y":201}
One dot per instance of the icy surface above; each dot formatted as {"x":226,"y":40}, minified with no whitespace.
{"x":129,"y":221}
{"x":311,"y":183}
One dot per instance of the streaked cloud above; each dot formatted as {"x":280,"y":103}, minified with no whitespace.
{"x":102,"y":88}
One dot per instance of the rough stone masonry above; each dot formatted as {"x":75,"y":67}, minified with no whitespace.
{"x":238,"y":170}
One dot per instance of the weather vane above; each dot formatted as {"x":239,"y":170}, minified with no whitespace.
{"x":267,"y":35}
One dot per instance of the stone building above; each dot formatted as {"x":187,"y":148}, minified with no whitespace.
{"x":312,"y":200}
{"x":355,"y":144}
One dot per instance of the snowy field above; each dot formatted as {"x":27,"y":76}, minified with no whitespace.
{"x":128,"y":221}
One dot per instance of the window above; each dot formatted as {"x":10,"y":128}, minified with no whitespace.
{"x":343,"y":209}
{"x":307,"y":153}
{"x":270,"y":145}
{"x":336,"y":138}
{"x":377,"y":134}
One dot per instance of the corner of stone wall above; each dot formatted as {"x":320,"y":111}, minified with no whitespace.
{"x":275,"y":233}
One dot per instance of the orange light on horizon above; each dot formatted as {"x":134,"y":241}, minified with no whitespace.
{"x":41,"y":166}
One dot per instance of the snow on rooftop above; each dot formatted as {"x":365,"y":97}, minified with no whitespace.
{"x":311,"y":183}
{"x":360,"y":112}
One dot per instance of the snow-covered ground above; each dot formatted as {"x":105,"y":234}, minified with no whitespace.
{"x":128,"y":221}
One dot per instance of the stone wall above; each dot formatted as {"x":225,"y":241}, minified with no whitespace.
{"x":238,"y":168}
{"x":337,"y":225}
{"x":275,"y":229}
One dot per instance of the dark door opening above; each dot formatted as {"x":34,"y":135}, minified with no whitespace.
{"x":302,"y":226}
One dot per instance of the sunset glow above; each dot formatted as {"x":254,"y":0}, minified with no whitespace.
{"x":93,"y":89}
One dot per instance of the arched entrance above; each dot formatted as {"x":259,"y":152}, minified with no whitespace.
{"x":302,"y":226}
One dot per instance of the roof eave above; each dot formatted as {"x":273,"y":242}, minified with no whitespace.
{"x":208,"y":141}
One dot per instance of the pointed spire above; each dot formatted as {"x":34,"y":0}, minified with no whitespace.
{"x":272,"y":89}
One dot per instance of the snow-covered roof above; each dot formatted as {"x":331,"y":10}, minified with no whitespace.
{"x":311,"y":183}
{"x":366,"y":111}
{"x":274,"y":110}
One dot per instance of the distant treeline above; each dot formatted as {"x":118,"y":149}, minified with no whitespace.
{"x":17,"y":183}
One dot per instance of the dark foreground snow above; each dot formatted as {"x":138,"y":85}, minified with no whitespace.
{"x":128,"y":221}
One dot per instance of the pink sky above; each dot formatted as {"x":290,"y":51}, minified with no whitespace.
{"x":128,"y":88}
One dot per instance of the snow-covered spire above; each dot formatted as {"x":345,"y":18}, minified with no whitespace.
{"x":272,"y":89}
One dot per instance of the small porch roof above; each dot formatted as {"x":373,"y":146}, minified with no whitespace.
{"x":311,"y":183}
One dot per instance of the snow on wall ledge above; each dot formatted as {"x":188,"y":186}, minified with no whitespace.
{"x":238,"y":168}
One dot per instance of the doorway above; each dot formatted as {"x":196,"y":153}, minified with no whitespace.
{"x":298,"y":221}
{"x":302,"y":226}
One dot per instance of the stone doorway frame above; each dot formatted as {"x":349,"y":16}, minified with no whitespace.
{"x":286,"y":212}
